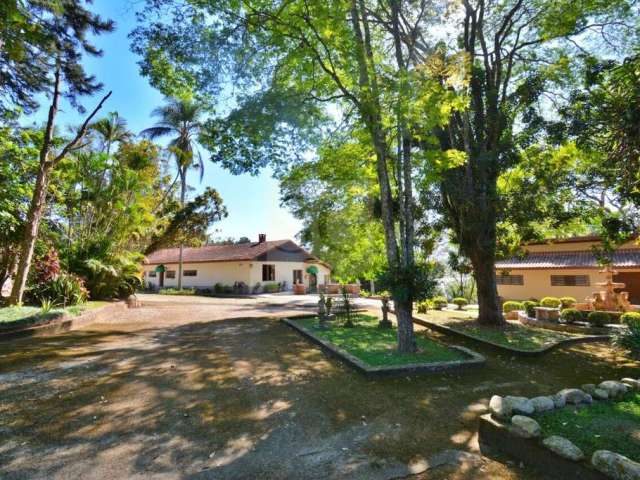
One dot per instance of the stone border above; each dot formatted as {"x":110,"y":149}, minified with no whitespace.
{"x":580,"y":328}
{"x":525,"y":353}
{"x":510,"y":428}
{"x":475,"y":359}
{"x":64,"y":322}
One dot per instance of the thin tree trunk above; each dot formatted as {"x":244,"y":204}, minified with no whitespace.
{"x":183,"y":191}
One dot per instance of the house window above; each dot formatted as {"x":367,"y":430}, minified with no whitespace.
{"x":570,"y":281}
{"x":190,"y":273}
{"x":509,"y":279}
{"x":297,"y":276}
{"x":171,"y":274}
{"x":152,"y":274}
{"x":268,"y":273}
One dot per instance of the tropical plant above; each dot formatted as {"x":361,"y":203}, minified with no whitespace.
{"x":115,"y":276}
{"x":182,"y":119}
{"x":512,"y":306}
{"x":550,"y":302}
{"x":46,"y":305}
{"x":571,"y":315}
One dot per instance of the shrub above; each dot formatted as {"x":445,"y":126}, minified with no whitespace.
{"x":218,"y":288}
{"x":365,"y":294}
{"x":270,"y":288}
{"x":530,"y":307}
{"x":550,"y":302}
{"x":175,"y":291}
{"x":228,"y":289}
{"x":567,"y":302}
{"x":66,"y":289}
{"x":439,"y":302}
{"x":629,"y":339}
{"x":113,"y":276}
{"x":630,"y":318}
{"x":598,"y":319}
{"x":570,"y":315}
{"x":512,"y":306}
{"x":424,"y":306}
{"x":460,"y":302}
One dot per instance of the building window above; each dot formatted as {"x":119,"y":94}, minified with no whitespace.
{"x":570,"y":281}
{"x":509,"y":279}
{"x":268,"y":273}
{"x":152,"y":274}
{"x":190,"y":273}
{"x":171,"y":274}
{"x":297,"y":276}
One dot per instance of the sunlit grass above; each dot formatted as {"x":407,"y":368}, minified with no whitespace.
{"x":26,"y":315}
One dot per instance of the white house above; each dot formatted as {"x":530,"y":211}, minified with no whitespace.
{"x":263,"y":262}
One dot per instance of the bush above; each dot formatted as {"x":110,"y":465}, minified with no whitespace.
{"x":439,"y":302}
{"x":530,"y":307}
{"x":567,"y":302}
{"x":550,"y":302}
{"x":175,"y":291}
{"x":228,"y":289}
{"x":571,"y":315}
{"x":460,"y":302}
{"x":271,"y":288}
{"x":111,"y":277}
{"x":630,"y":318}
{"x":598,"y":319}
{"x":629,"y":339}
{"x":512,"y":306}
{"x":365,"y":293}
{"x":424,"y":306}
{"x":218,"y":288}
{"x":65,"y":289}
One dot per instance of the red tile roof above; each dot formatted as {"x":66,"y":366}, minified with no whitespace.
{"x":623,"y":258}
{"x":223,"y":253}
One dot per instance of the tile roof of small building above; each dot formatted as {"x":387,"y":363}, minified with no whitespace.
{"x":623,"y":258}
{"x":223,"y":253}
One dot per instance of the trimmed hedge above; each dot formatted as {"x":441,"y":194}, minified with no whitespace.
{"x":424,"y":306}
{"x":550,"y":302}
{"x":598,"y":319}
{"x":571,"y":315}
{"x":630,"y":318}
{"x":439,"y":302}
{"x":530,"y":307}
{"x":460,"y":302}
{"x":512,"y":306}
{"x":567,"y":302}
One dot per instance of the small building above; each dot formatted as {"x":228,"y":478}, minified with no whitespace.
{"x":264,"y":262}
{"x":566,"y":268}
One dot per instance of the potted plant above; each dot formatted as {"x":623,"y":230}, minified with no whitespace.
{"x":299,"y":289}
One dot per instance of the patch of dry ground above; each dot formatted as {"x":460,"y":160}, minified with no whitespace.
{"x":176,"y":391}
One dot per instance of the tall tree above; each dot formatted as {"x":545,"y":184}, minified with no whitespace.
{"x":181,"y":118}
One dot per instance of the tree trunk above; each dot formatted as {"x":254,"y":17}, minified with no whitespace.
{"x":404,"y":317}
{"x":183,"y":191}
{"x":490,"y":312}
{"x":34,"y":216}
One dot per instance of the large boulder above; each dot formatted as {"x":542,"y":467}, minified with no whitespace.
{"x":542,"y":404}
{"x":500,"y":408}
{"x":575,"y":396}
{"x":613,"y":388}
{"x":524,"y":426}
{"x":615,"y":466}
{"x":558,"y":400}
{"x":563,"y":447}
{"x":632,"y":383}
{"x":600,"y":394}
{"x":520,"y":405}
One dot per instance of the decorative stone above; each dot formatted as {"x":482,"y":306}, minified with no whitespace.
{"x":613,"y":388}
{"x":525,"y":427}
{"x":558,"y":400}
{"x":563,"y":447}
{"x":520,"y":405}
{"x":575,"y":396}
{"x":500,"y":408}
{"x":588,"y":388}
{"x":632,"y":383}
{"x":542,"y":404}
{"x":615,"y":465}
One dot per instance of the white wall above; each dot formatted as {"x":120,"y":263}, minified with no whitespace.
{"x":284,"y":272}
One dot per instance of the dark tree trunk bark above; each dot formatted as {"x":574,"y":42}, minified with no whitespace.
{"x":490,"y":311}
{"x":183,"y":192}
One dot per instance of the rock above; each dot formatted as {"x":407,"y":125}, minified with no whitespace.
{"x":600,"y":394}
{"x":588,"y":388}
{"x":520,"y":405}
{"x":542,"y":404}
{"x":525,"y":427}
{"x":563,"y":447}
{"x":500,"y":408}
{"x":558,"y":400}
{"x":613,"y":388}
{"x":632,"y":383}
{"x":615,"y":465}
{"x":575,"y":396}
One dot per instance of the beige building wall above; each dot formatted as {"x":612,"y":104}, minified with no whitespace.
{"x":537,"y":284}
{"x":284,"y":272}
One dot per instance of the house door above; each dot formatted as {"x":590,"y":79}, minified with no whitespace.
{"x":632,"y":285}
{"x":313,"y":282}
{"x":161,"y":280}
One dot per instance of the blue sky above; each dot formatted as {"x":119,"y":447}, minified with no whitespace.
{"x":252,"y":202}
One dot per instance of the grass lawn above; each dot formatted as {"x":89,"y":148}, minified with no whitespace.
{"x":11,"y":317}
{"x":376,"y":346}
{"x":515,"y":335}
{"x":611,"y":426}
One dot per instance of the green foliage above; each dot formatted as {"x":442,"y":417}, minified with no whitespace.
{"x":530,"y":308}
{"x":629,"y":318}
{"x":175,"y":291}
{"x":65,"y":289}
{"x":512,"y":306}
{"x":45,"y":305}
{"x":629,"y":339}
{"x":567,"y":302}
{"x":460,"y":302}
{"x":439,"y":302}
{"x":421,"y":282}
{"x":424,"y":306}
{"x":271,"y":288}
{"x":598,"y":319}
{"x":550,"y":302}
{"x":113,"y":277}
{"x":571,"y":315}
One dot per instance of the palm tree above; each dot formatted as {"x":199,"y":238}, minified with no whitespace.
{"x":112,"y":129}
{"x":181,"y":118}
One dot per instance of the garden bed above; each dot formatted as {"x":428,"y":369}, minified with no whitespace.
{"x":583,"y":328}
{"x":515,"y":338}
{"x":371,"y":350}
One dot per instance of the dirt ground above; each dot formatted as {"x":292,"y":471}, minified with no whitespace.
{"x":192,"y":389}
